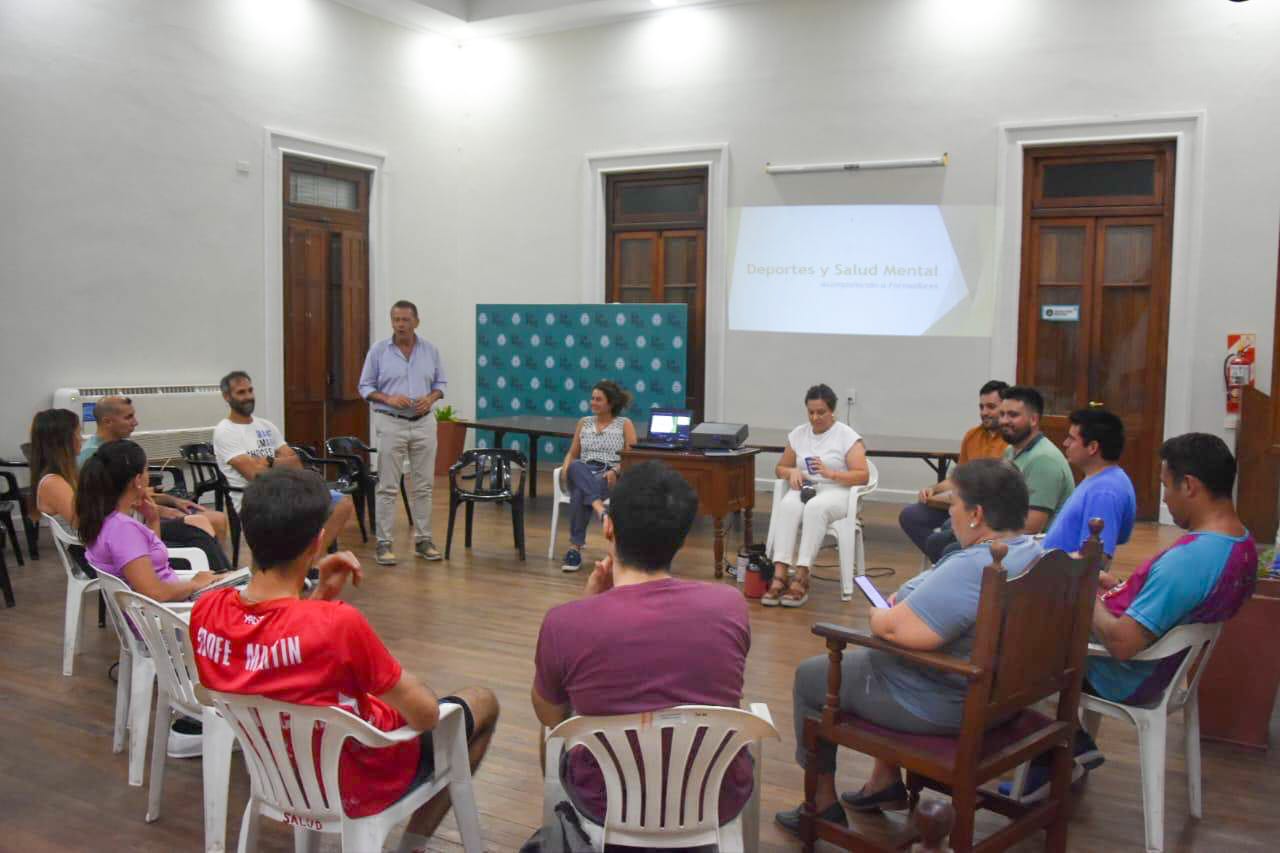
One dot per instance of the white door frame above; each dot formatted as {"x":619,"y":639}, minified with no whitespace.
{"x":278,"y":143}
{"x":1187,"y":129}
{"x":715,"y":158}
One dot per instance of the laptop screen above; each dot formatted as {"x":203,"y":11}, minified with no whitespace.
{"x":671,"y":425}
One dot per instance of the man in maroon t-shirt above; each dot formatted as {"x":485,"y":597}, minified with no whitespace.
{"x":640,"y":640}
{"x":266,"y":640}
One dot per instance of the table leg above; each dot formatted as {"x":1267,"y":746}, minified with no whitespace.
{"x":746,"y":527}
{"x":533,"y":466}
{"x":943,"y":464}
{"x":718,"y":521}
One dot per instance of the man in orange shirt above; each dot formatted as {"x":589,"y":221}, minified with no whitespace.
{"x":921,"y":519}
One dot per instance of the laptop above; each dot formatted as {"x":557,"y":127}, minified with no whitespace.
{"x":668,"y":430}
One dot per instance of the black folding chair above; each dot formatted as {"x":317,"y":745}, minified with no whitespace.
{"x":5,"y":586}
{"x":208,"y":478}
{"x":356,"y":452}
{"x":25,"y":497}
{"x":346,"y":477}
{"x":491,"y":468}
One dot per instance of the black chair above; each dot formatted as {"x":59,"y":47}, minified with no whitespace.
{"x":25,"y":497}
{"x":177,"y":488}
{"x":347,"y":477}
{"x":208,"y":478}
{"x":356,"y":452}
{"x":491,"y":468}
{"x":5,"y":586}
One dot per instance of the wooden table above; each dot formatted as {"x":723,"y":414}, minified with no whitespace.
{"x":938,"y":454}
{"x":724,"y":484}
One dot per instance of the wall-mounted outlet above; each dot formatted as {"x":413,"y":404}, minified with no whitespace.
{"x":851,"y":396}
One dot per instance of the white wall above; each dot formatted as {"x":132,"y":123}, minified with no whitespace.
{"x":132,"y":248}
{"x":123,"y":122}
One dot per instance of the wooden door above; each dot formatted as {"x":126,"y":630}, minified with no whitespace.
{"x":657,"y":253}
{"x":1095,"y":288}
{"x":326,"y":301}
{"x":306,"y":323}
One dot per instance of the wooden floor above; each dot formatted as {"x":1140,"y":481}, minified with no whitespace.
{"x":474,"y":620}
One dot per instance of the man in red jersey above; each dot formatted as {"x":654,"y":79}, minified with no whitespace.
{"x":267,"y":640}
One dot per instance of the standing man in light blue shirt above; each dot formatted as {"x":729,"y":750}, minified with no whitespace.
{"x":403,"y":377}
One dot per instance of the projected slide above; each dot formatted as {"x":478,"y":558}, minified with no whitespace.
{"x":843,"y":270}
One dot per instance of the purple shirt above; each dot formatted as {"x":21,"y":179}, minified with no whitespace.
{"x":387,"y":370}
{"x":641,"y":648}
{"x":124,"y":539}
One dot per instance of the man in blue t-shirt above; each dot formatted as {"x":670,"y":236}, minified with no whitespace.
{"x":1095,"y":440}
{"x":1206,"y":576}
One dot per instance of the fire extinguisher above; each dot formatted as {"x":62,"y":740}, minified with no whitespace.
{"x":1237,"y":372}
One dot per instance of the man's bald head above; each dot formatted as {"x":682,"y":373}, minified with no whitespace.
{"x":116,"y":418}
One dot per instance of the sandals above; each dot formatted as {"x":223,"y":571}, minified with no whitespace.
{"x":797,"y":594}
{"x":773,"y":596}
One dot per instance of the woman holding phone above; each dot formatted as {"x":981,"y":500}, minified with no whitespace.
{"x":937,"y":610}
{"x":823,"y":459}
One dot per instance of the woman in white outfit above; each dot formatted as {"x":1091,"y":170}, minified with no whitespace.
{"x":830,"y":457}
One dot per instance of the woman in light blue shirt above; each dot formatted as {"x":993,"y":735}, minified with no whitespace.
{"x":935,"y":611}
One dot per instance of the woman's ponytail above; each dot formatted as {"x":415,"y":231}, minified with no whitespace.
{"x":103,"y":479}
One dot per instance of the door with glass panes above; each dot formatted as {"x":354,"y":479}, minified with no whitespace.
{"x":1094,"y":314}
{"x":658,"y":253}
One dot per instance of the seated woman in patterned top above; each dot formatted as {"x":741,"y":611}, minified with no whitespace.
{"x":594,"y":460}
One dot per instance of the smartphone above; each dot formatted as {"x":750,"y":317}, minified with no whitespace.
{"x":867,"y":588}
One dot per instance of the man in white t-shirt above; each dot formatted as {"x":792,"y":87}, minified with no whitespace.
{"x":246,"y":446}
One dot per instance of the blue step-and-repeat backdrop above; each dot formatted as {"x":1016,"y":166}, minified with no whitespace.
{"x":544,"y":359}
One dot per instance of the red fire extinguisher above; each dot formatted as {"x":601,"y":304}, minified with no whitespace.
{"x":1237,"y":369}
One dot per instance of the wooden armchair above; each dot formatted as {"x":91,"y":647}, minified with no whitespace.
{"x":1031,"y":638}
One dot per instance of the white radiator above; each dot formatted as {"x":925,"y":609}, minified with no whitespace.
{"x":169,"y":416}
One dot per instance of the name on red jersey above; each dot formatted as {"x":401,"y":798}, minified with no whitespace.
{"x":284,"y":652}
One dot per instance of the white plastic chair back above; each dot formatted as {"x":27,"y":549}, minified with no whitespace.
{"x":167,"y":642}
{"x":638,"y":814}
{"x":130,"y":639}
{"x":79,"y":585}
{"x":289,"y":787}
{"x":62,"y":540}
{"x":167,"y":639}
{"x":1199,"y":640}
{"x":558,"y":496}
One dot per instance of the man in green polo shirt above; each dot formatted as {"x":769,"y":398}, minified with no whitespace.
{"x":1042,"y":464}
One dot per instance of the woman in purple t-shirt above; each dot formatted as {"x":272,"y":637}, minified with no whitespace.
{"x":113,"y":484}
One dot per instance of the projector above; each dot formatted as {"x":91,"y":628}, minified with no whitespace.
{"x":707,"y":436}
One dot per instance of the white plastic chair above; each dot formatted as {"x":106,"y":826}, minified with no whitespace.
{"x":291,"y":791}
{"x":559,"y":496}
{"x":79,"y":585}
{"x":169,"y":644}
{"x":659,"y":824}
{"x":850,"y":544}
{"x":1152,"y":721}
{"x":136,"y":675}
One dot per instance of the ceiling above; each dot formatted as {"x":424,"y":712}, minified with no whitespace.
{"x":468,"y":19}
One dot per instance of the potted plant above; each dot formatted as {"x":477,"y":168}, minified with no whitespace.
{"x":451,"y":437}
{"x":1238,"y":691}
